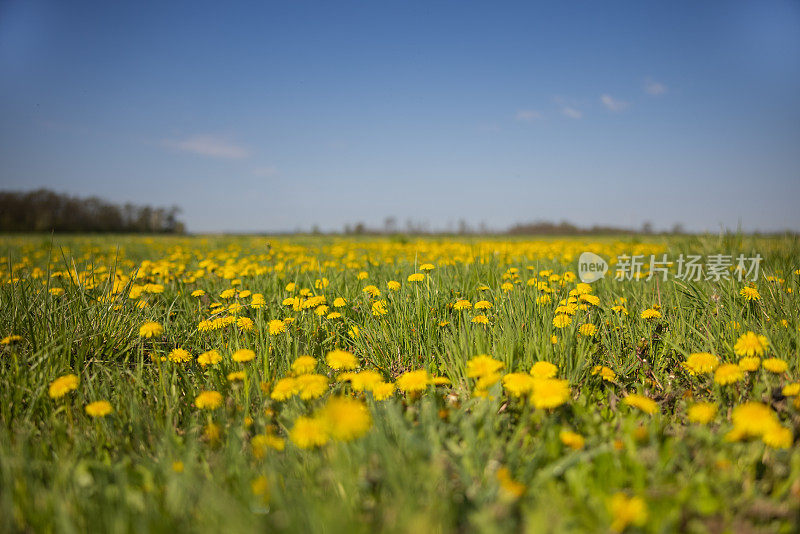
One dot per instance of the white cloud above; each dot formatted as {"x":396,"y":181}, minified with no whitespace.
{"x":571,"y":112}
{"x":654,"y":88}
{"x":208,"y":145}
{"x":265,"y":172}
{"x":612,"y":104}
{"x":528,"y":115}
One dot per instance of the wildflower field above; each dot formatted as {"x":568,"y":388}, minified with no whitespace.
{"x":316,"y":384}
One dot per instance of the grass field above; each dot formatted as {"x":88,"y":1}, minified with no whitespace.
{"x":356,"y":385}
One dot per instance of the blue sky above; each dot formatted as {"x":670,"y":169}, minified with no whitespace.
{"x":279,"y":116}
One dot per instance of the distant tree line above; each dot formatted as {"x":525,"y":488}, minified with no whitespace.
{"x":45,"y":211}
{"x":390,"y":226}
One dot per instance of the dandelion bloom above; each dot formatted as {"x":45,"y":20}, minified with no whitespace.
{"x":346,"y":418}
{"x":179,"y":355}
{"x":482,"y":365}
{"x":382,"y":390}
{"x":791,"y":390}
{"x":480,"y":319}
{"x":750,"y":293}
{"x":365,"y":380}
{"x":284,"y":389}
{"x":426,"y":267}
{"x":245,"y":324}
{"x":243,"y":355}
{"x":650,"y":313}
{"x":339,"y":302}
{"x":775,"y":365}
{"x":99,"y":408}
{"x":751,"y":344}
{"x":483,"y":305}
{"x":211,"y":357}
{"x":626,"y":511}
{"x":645,"y":404}
{"x":393,"y":285}
{"x":571,"y":439}
{"x":412,"y":381}
{"x":778,"y":437}
{"x":700,"y":363}
{"x":208,"y":400}
{"x":150,"y":329}
{"x":549,"y":392}
{"x":462,"y":305}
{"x":511,"y":487}
{"x":750,"y":363}
{"x":304,"y":365}
{"x":562,"y":320}
{"x":753,"y":419}
{"x":372,"y":291}
{"x":309,"y":432}
{"x":702,"y":412}
{"x":416,"y":277}
{"x":605,"y":373}
{"x":8,"y":340}
{"x":544,"y":369}
{"x":518,"y":384}
{"x":379,"y":308}
{"x":63,"y":385}
{"x":728,"y":373}
{"x":587,"y":329}
{"x":311,"y":386}
{"x":341,"y":360}
{"x":276,"y":326}
{"x":236,"y":376}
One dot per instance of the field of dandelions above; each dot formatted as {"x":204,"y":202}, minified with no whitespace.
{"x":228,"y":384}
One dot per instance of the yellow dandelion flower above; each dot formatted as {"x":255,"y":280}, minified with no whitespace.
{"x":562,"y":320}
{"x":751,"y":344}
{"x":483,"y":305}
{"x":416,"y":277}
{"x":549,"y":392}
{"x":750,"y":293}
{"x":243,"y":355}
{"x":750,"y":364}
{"x":276,"y":326}
{"x":480,"y":319}
{"x":236,"y":376}
{"x":728,"y":373}
{"x":284,"y":389}
{"x":702,"y":412}
{"x":587,"y":329}
{"x":346,"y":418}
{"x":208,"y":400}
{"x":518,"y":384}
{"x":341,"y":360}
{"x":775,"y":365}
{"x":413,"y":381}
{"x":605,"y":373}
{"x":650,"y":313}
{"x":701,"y":363}
{"x":626,"y":511}
{"x":571,"y":439}
{"x":309,"y":432}
{"x":211,"y":357}
{"x":382,"y":390}
{"x":311,"y":386}
{"x":304,"y":365}
{"x":645,"y":404}
{"x":63,"y":385}
{"x":543,"y":369}
{"x":791,"y":390}
{"x":778,"y":437}
{"x":483,"y":365}
{"x":150,"y":329}
{"x":179,"y":355}
{"x":508,"y":485}
{"x":365,"y":380}
{"x":462,"y":305}
{"x":99,"y":408}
